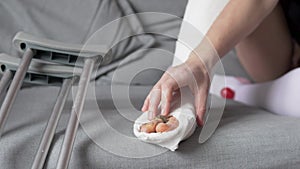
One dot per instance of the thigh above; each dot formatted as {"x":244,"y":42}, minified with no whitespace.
{"x":266,"y":53}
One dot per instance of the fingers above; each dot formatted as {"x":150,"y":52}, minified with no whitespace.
{"x":146,"y":104}
{"x":200,"y":109}
{"x":154,"y":101}
{"x":160,"y":94}
{"x":147,"y":100}
{"x":166,"y":98}
{"x":200,"y":104}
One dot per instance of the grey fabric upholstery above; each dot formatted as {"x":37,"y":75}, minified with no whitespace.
{"x":76,"y":22}
{"x":247,"y":137}
{"x":176,"y":7}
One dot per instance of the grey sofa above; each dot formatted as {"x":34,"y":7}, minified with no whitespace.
{"x":247,"y":137}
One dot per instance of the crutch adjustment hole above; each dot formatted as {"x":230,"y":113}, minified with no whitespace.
{"x":3,"y":68}
{"x":23,"y":46}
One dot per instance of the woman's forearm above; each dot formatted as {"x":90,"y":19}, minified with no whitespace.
{"x":238,"y":19}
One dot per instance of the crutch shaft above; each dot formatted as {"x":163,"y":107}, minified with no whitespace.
{"x":15,"y":87}
{"x":47,"y":138}
{"x":6,"y":78}
{"x":73,"y":123}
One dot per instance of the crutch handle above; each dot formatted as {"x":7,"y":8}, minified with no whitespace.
{"x":63,"y":53}
{"x":40,"y":73}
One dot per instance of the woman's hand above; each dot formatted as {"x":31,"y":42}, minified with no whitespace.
{"x":193,"y":74}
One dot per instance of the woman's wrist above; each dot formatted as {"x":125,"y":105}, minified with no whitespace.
{"x":203,"y":58}
{"x":197,"y":65}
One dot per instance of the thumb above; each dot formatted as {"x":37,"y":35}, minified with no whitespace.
{"x":200,"y":105}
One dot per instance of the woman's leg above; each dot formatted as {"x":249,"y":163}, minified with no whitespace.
{"x":296,"y":56}
{"x":266,"y":54}
{"x":280,"y":96}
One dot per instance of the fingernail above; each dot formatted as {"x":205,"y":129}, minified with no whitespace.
{"x":199,"y":121}
{"x":143,"y":108}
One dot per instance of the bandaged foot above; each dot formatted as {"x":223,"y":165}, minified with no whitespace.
{"x":160,"y":124}
{"x":168,"y":132}
{"x":280,"y":96}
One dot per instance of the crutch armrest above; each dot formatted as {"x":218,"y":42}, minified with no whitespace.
{"x":64,"y":53}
